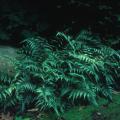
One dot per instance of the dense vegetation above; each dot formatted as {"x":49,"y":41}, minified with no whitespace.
{"x":59,"y":70}
{"x":53,"y":79}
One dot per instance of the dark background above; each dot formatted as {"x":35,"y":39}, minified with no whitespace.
{"x":24,"y":18}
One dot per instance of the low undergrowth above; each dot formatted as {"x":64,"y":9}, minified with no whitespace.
{"x":105,"y":111}
{"x":50,"y":79}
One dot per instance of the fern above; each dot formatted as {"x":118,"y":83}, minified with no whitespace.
{"x":50,"y":79}
{"x":89,"y":58}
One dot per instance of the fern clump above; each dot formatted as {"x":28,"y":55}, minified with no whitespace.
{"x":89,"y":67}
{"x":52,"y":79}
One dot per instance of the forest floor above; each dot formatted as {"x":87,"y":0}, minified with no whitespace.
{"x":105,"y":111}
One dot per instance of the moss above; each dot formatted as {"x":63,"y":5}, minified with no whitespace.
{"x":112,"y":112}
{"x":107,"y":111}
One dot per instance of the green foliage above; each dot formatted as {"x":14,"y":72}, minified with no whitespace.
{"x":54,"y":79}
{"x":87,"y":67}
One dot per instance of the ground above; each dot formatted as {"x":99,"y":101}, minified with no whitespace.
{"x":104,"y":111}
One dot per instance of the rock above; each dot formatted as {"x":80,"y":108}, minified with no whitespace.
{"x":7,"y":53}
{"x":98,"y":116}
